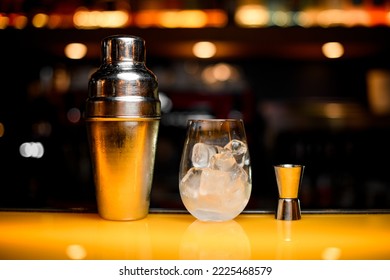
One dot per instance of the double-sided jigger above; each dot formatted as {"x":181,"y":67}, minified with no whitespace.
{"x":288,"y":179}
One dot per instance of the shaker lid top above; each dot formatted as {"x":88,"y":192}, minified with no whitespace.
{"x":123,"y":48}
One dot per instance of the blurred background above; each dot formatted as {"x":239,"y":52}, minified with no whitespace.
{"x":310,"y":79}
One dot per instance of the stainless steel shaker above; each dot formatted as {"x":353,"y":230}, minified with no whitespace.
{"x":122,"y":116}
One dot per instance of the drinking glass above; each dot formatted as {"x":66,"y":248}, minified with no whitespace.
{"x":215,"y":180}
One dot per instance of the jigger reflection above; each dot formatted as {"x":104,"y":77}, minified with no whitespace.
{"x":288,"y":178}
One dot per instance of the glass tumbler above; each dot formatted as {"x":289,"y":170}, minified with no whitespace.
{"x":215,"y":180}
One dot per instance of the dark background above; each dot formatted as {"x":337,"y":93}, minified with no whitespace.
{"x":283,"y":91}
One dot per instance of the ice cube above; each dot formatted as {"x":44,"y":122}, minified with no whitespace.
{"x":217,"y":187}
{"x":190,"y":183}
{"x":222,"y":192}
{"x":238,"y":178}
{"x":223,"y":161}
{"x":201,"y":154}
{"x":213,"y":182}
{"x":239,"y":151}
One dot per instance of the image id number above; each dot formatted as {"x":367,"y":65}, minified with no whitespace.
{"x":231,"y":270}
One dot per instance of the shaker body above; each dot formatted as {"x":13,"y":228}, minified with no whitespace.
{"x":122,"y":153}
{"x":122,"y":118}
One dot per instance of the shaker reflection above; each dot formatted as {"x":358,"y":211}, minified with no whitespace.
{"x":125,"y":240}
{"x":225,"y":240}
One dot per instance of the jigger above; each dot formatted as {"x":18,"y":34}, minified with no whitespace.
{"x":288,"y":179}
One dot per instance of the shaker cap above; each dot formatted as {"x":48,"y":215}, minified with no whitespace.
{"x":123,"y":48}
{"x":123,"y":87}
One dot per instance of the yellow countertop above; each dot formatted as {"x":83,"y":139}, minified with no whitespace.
{"x":171,"y":236}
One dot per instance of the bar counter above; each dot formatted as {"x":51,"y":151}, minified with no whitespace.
{"x":170,"y":235}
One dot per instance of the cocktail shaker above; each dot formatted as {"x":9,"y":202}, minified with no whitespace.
{"x":122,"y":117}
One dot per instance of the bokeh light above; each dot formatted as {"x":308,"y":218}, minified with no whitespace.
{"x":31,"y":150}
{"x":333,"y":50}
{"x":204,"y":49}
{"x":75,"y":50}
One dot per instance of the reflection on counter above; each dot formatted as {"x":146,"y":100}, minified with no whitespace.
{"x":202,"y":240}
{"x":170,"y":236}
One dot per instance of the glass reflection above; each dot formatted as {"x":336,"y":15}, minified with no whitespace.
{"x":225,"y":240}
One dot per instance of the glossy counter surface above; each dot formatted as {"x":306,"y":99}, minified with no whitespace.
{"x":51,"y":235}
